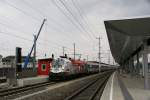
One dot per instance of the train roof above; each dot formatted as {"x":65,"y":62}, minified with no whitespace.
{"x":95,"y":62}
{"x":45,"y":59}
{"x":64,"y":58}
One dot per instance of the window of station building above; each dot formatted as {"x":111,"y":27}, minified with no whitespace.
{"x":43,"y":67}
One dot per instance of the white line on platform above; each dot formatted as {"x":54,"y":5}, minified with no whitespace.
{"x":112,"y":84}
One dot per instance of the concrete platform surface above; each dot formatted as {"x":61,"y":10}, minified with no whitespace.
{"x":125,"y":87}
{"x":135,"y":86}
{"x":32,"y":80}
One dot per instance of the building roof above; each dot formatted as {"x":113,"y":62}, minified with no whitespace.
{"x":45,"y":59}
{"x":10,"y":58}
{"x":126,"y":36}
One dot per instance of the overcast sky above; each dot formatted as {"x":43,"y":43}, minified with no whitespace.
{"x":68,"y":22}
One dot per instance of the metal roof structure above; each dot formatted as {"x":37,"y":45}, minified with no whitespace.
{"x":126,"y":36}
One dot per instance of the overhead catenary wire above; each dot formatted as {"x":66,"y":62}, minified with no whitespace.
{"x":25,"y":13}
{"x":79,"y":23}
{"x":39,"y":43}
{"x":28,"y":16}
{"x":43,"y":14}
{"x":29,"y":40}
{"x":78,"y":8}
{"x":62,"y":11}
{"x":69,"y":10}
{"x":48,"y":42}
{"x":69,"y":18}
{"x":20,"y":37}
{"x":68,"y":36}
{"x":18,"y":9}
{"x":83,"y":12}
{"x":84,"y":19}
{"x":21,"y":31}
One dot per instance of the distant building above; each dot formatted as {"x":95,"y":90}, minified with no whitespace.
{"x":10,"y":60}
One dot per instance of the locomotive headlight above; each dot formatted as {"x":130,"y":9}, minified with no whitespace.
{"x":63,"y":67}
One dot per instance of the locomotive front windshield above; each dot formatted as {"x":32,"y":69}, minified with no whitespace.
{"x":57,"y":63}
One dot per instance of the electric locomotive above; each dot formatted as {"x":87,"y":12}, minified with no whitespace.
{"x":64,"y":68}
{"x":61,"y":68}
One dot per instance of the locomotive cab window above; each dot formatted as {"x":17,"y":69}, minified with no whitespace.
{"x":43,"y":67}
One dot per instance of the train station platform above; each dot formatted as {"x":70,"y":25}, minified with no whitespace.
{"x":125,"y":87}
{"x":32,"y":80}
{"x":25,"y":81}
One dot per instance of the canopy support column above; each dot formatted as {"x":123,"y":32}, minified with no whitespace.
{"x":145,"y":63}
{"x":138,"y":64}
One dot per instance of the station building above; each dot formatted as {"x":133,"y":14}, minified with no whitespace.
{"x":44,"y":66}
{"x":8,"y":61}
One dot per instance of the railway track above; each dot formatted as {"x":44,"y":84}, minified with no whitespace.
{"x":88,"y":92}
{"x":91,"y":91}
{"x":14,"y":91}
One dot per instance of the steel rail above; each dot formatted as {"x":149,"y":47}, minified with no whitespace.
{"x":12,"y":91}
{"x":103,"y":77}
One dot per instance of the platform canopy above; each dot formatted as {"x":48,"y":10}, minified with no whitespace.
{"x":126,"y":36}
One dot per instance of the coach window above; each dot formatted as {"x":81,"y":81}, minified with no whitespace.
{"x":43,"y":67}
